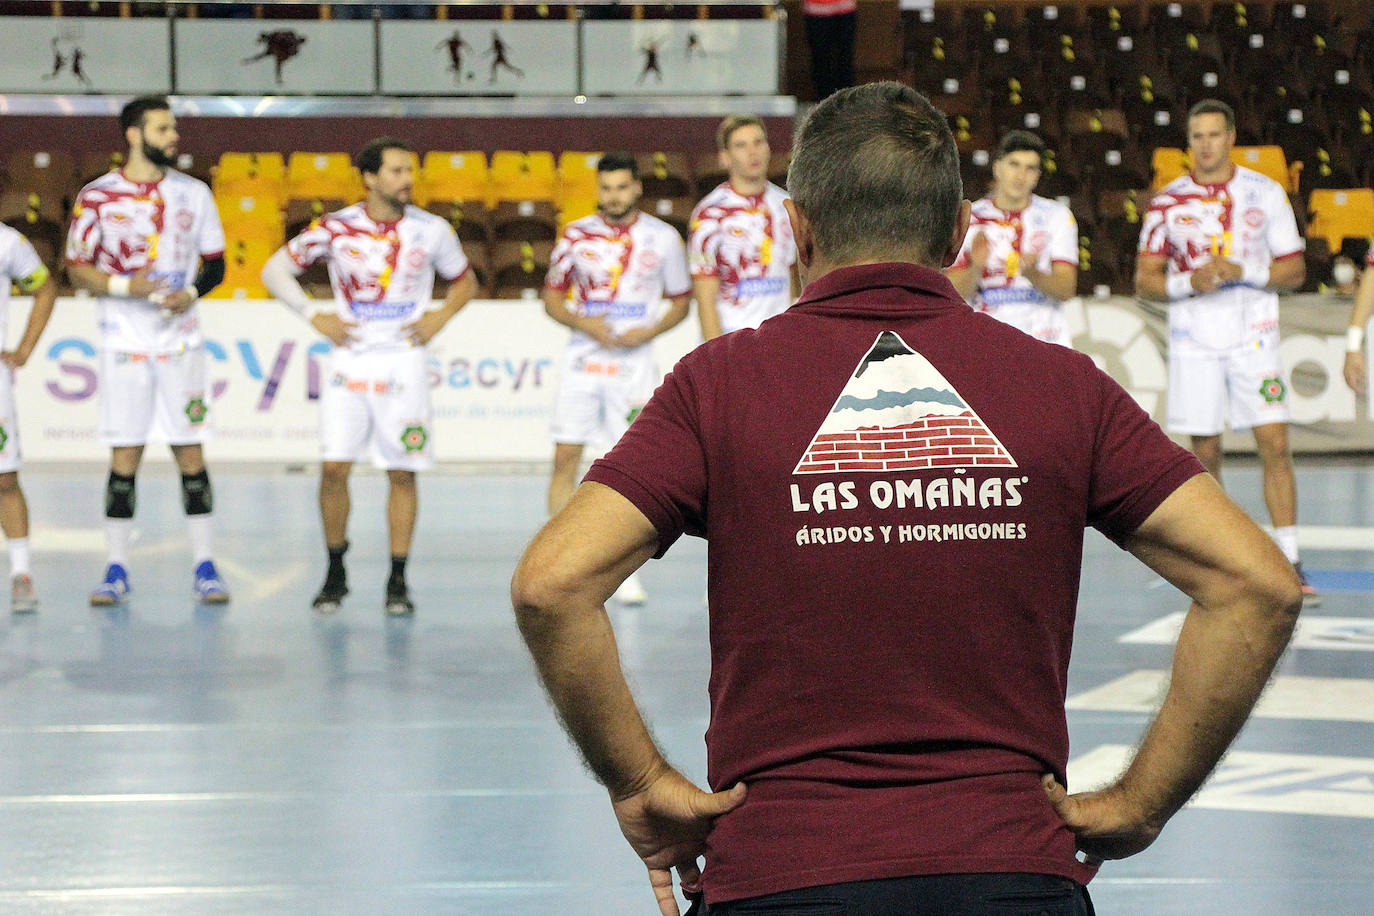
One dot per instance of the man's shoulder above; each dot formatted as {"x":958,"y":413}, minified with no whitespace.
{"x":188,"y":183}
{"x":1051,"y":207}
{"x":422,"y":218}
{"x":649,"y":224}
{"x":722,"y":197}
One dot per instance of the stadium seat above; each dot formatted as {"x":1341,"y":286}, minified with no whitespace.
{"x":1338,"y":214}
{"x":243,"y":262}
{"x":519,"y":268}
{"x":778,"y":164}
{"x":1091,"y":133}
{"x":250,"y":216}
{"x":469,"y":218}
{"x":1059,"y":176}
{"x":1085,"y":86}
{"x":1040,"y":119}
{"x":250,"y":173}
{"x":1117,"y":170}
{"x":972,"y":133}
{"x":665,"y":174}
{"x":576,"y":208}
{"x":1167,"y":163}
{"x":95,"y":164}
{"x":322,"y":175}
{"x":1267,"y":160}
{"x":1107,"y":23}
{"x":300,"y":211}
{"x":1171,"y":22}
{"x":975,"y":168}
{"x":47,"y":236}
{"x":1097,"y":266}
{"x":479,"y":259}
{"x":452,"y":176}
{"x":30,"y":205}
{"x":523,"y":176}
{"x":576,"y":175}
{"x":1047,"y":25}
{"x":524,"y":221}
{"x":1158,"y":126}
{"x":707,"y":169}
{"x":675,"y":211}
{"x":49,"y":174}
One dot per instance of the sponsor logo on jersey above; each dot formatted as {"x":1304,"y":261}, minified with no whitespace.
{"x":1254,"y":217}
{"x":760,"y":286}
{"x":185,"y":220}
{"x":417,"y":257}
{"x":1006,"y":295}
{"x":381,"y":311}
{"x":613,"y":310}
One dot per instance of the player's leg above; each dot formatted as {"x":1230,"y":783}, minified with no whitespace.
{"x":14,"y":509}
{"x":1197,"y":401}
{"x":576,"y":418}
{"x":344,"y":428}
{"x":624,"y":397}
{"x":1208,"y":451}
{"x":335,"y":505}
{"x":567,"y":457}
{"x":401,"y":442}
{"x":126,"y":405}
{"x":198,"y":502}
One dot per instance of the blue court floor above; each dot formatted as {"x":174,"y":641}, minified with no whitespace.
{"x":167,"y":759}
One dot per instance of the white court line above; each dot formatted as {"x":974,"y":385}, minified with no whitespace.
{"x":1256,"y":781}
{"x":1287,"y":697}
{"x":1334,"y":537}
{"x":162,"y":798}
{"x":1339,"y":634}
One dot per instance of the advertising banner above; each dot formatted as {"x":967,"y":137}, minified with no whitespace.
{"x":275,"y":57}
{"x":66,"y":55}
{"x":680,"y":57}
{"x":479,"y":58}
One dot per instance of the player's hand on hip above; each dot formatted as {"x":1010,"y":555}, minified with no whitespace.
{"x":1356,"y":372}
{"x":1106,"y":823}
{"x":176,"y":302}
{"x":635,"y":337}
{"x":339,"y":332}
{"x":142,"y":285}
{"x":422,"y":330}
{"x":666,"y":824}
{"x":599,"y":330}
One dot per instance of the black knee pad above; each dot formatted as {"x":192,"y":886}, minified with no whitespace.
{"x":196,"y":496}
{"x":119,"y":496}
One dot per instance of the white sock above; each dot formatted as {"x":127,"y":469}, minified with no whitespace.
{"x":1288,"y":541}
{"x":202,"y":536}
{"x":118,"y":533}
{"x":19,"y":556}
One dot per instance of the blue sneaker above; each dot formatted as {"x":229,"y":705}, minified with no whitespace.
{"x":209,"y":587}
{"x":114,"y":589}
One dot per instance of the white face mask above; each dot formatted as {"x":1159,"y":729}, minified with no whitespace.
{"x":1343,"y":272}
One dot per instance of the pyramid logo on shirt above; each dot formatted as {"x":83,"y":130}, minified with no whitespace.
{"x":898,"y":413}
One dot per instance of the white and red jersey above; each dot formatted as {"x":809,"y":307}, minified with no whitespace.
{"x":122,"y":226}
{"x":382,"y":272}
{"x":620,"y":273}
{"x":744,"y":240}
{"x":20,"y":263}
{"x":1246,"y":219}
{"x":1042,"y":233}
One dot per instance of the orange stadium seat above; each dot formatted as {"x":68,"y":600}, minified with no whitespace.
{"x":1168,"y":163}
{"x":1338,"y":214}
{"x":523,"y":176}
{"x":576,"y":176}
{"x":453,"y":176}
{"x":576,"y":208}
{"x":250,"y":173}
{"x":322,"y":175}
{"x":243,"y":261}
{"x":252,"y":216}
{"x":1267,"y":160}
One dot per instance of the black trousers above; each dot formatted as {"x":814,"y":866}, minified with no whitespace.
{"x":998,"y":894}
{"x":832,"y":52}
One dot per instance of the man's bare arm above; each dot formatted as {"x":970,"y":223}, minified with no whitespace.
{"x":1246,"y":600}
{"x":1356,"y":372}
{"x":707,"y":293}
{"x":1059,"y":282}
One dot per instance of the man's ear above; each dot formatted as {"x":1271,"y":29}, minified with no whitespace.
{"x":956,"y":241}
{"x":801,"y":234}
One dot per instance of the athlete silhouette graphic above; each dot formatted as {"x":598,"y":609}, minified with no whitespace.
{"x":281,"y":46}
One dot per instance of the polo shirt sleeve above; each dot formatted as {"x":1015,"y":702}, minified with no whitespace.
{"x":659,"y":463}
{"x":1135,"y":466}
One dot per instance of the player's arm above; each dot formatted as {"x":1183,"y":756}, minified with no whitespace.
{"x":556,"y":307}
{"x":1356,"y":371}
{"x":209,"y":275}
{"x":1284,"y":274}
{"x":1246,"y":601}
{"x":1059,"y":282}
{"x":967,"y":271}
{"x":131,"y":286}
{"x":706,"y":290}
{"x":1154,"y":282}
{"x":280,"y":275}
{"x":673,"y":315}
{"x":41,"y":285}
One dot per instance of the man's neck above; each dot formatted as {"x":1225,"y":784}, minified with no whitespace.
{"x":819,"y":266}
{"x":1010,"y":204}
{"x":625,"y":219}
{"x":749,"y":187}
{"x":137,"y":168}
{"x":382,"y":211}
{"x":1220,"y":175}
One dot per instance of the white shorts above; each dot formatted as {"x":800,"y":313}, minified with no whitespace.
{"x":153,"y":397}
{"x":9,"y":424}
{"x":598,"y":397}
{"x":1205,"y":382}
{"x":378,"y":399}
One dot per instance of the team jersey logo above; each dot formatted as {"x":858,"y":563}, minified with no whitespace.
{"x":898,"y":413}
{"x":129,"y":231}
{"x":414,"y":438}
{"x":1198,"y":229}
{"x":364,"y":266}
{"x":600,"y":265}
{"x":1272,"y":390}
{"x":196,"y":410}
{"x":746,"y":244}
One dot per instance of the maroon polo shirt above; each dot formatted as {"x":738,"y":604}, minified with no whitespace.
{"x":894,"y":489}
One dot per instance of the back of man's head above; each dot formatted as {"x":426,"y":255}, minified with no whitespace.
{"x":131,"y":115}
{"x":876,"y":173}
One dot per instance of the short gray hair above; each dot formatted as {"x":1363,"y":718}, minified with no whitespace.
{"x":876,"y":173}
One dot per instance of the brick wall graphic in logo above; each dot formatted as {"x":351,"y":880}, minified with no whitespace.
{"x":898,"y":413}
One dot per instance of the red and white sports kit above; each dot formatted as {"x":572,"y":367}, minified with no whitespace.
{"x":18,"y":263}
{"x":152,"y":362}
{"x":377,"y":390}
{"x":744,"y":240}
{"x":1043,"y":233}
{"x":620,"y":273}
{"x":1224,"y":345}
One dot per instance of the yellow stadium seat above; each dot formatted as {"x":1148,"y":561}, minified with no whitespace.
{"x":1341,"y":214}
{"x":322,"y":175}
{"x":1169,"y":163}
{"x":248,"y":213}
{"x":573,"y":208}
{"x":576,"y":176}
{"x":243,"y":262}
{"x":452,"y":176}
{"x":1267,"y":160}
{"x":250,"y":173}
{"x":522,"y":176}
